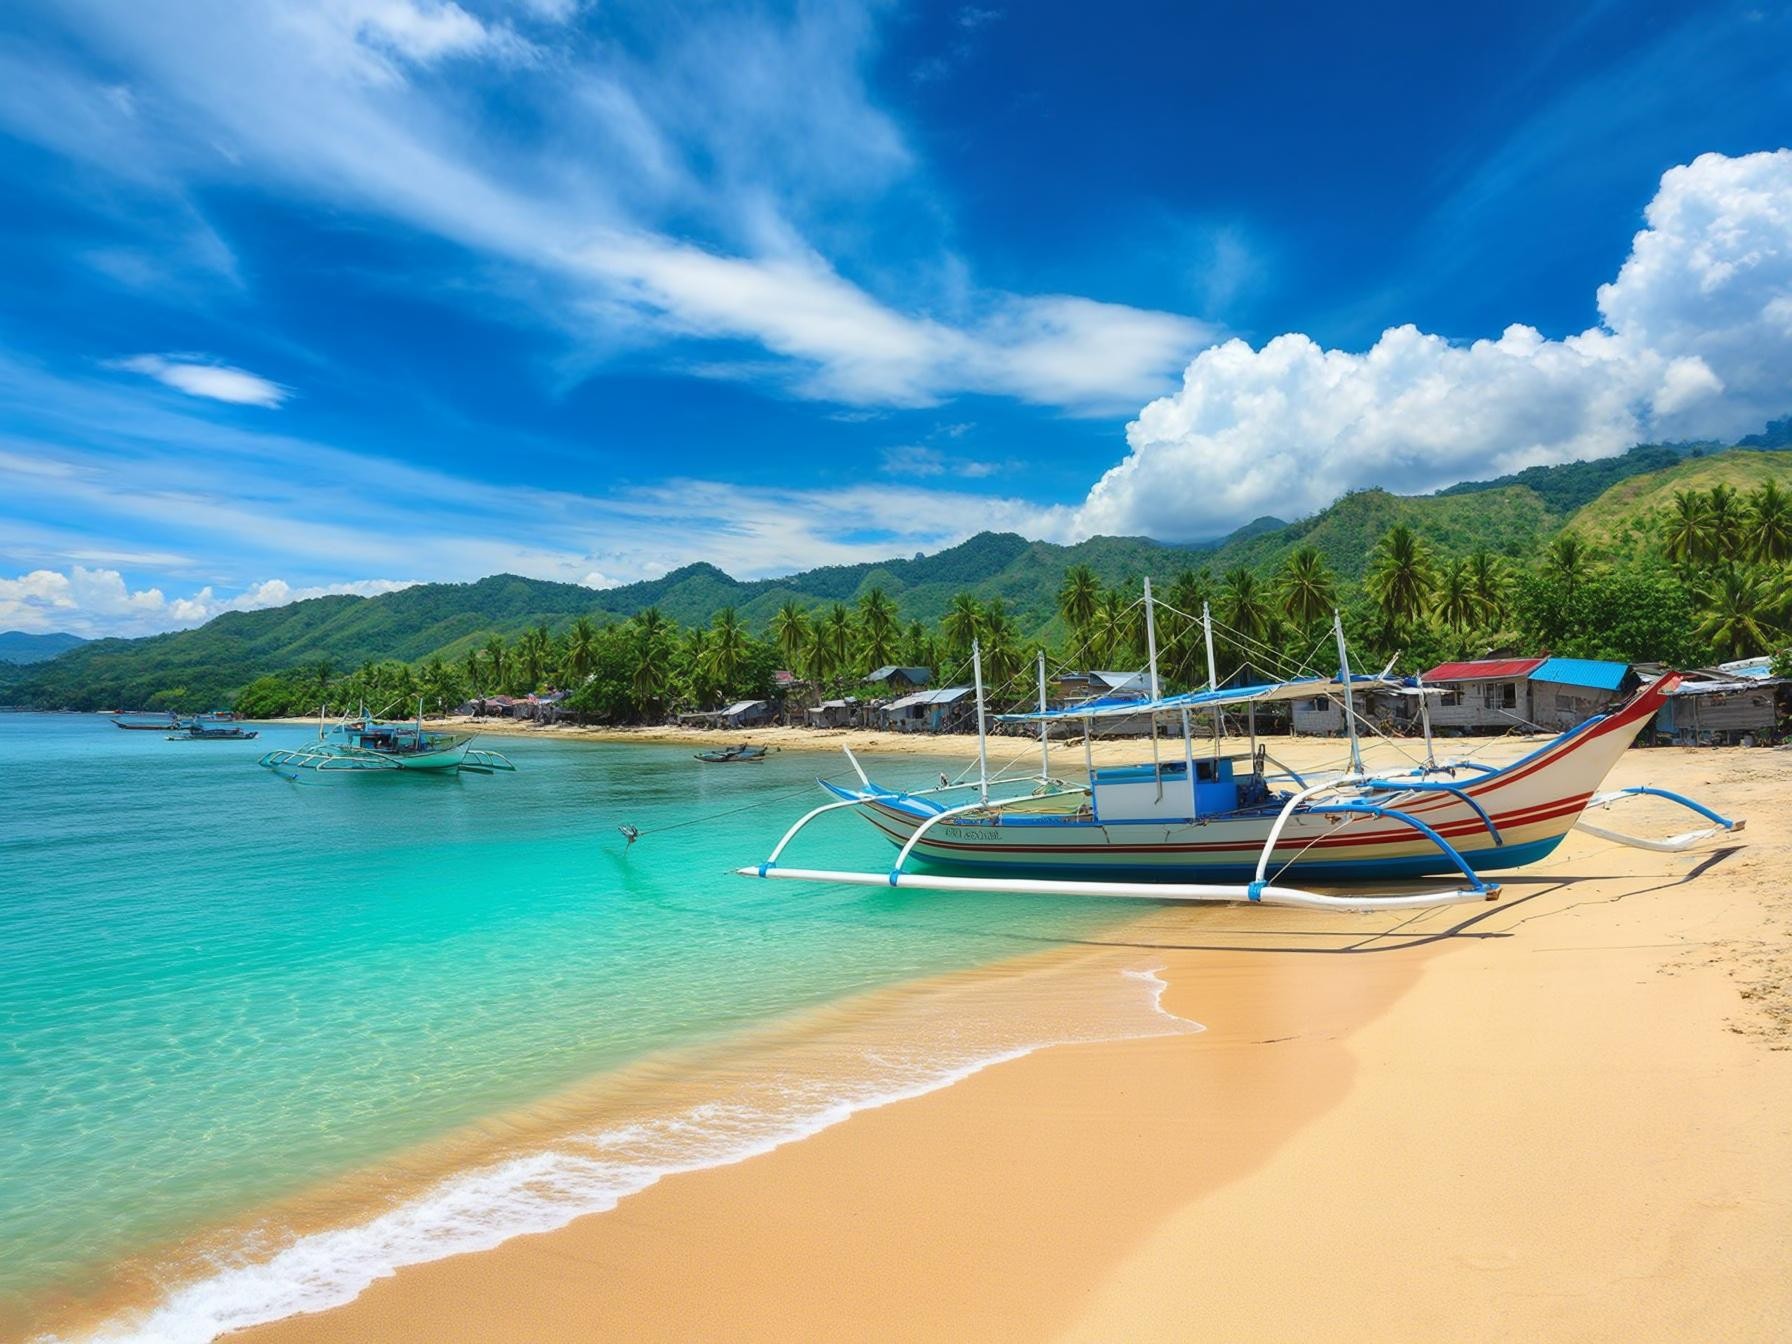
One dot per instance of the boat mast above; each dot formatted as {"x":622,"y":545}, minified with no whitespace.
{"x":1356,"y":750}
{"x":1045,"y":751}
{"x":982,"y":736}
{"x":1213,"y":679}
{"x":1156,"y":692}
{"x":1425,"y":719}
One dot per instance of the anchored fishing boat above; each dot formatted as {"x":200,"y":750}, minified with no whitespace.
{"x":146,"y":721}
{"x":207,"y":728}
{"x":729,"y":755}
{"x":365,"y":743}
{"x":1212,"y":825}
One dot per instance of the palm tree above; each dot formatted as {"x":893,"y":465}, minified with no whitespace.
{"x":880,"y":627}
{"x":1737,"y":607}
{"x":1457,"y":604}
{"x":963,"y":622}
{"x":1567,"y":561}
{"x":1110,"y":628}
{"x":727,"y":650}
{"x":818,"y":656}
{"x":1077,"y":599}
{"x":837,"y":629}
{"x":790,"y":631}
{"x":1724,"y":509}
{"x":1401,"y":577}
{"x":497,"y":660}
{"x":438,"y":683}
{"x":693,"y":663}
{"x":534,"y":649}
{"x":581,"y":651}
{"x":1000,"y":647}
{"x":1305,"y":586}
{"x":1490,"y":584}
{"x":1243,"y":605}
{"x":1184,"y":644}
{"x":1686,"y":529}
{"x":1767,"y":529}
{"x":474,"y":668}
{"x":917,"y":645}
{"x":650,"y":647}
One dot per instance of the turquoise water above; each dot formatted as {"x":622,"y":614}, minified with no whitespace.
{"x":218,"y":987}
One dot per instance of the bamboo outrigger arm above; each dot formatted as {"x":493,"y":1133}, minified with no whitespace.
{"x":1265,"y":894}
{"x":1478,"y":889}
{"x":1259,"y":891}
{"x":1674,"y":843}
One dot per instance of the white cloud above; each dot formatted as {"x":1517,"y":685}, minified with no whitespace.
{"x":98,"y":602}
{"x":1695,"y":341}
{"x":666,"y":199}
{"x":196,"y":378}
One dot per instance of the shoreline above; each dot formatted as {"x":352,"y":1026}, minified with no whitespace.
{"x":1004,"y":748}
{"x":1554,"y":1118}
{"x":1587,"y":1033}
{"x":633,"y":1099}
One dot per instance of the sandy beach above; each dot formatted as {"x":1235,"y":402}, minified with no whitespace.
{"x":1564,"y":1115}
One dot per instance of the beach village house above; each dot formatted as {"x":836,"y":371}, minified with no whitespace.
{"x":740,"y":714}
{"x":899,"y":680}
{"x":941,"y":711}
{"x":1567,"y":691}
{"x":843,"y":713}
{"x":1483,"y":693}
{"x":1738,"y":702}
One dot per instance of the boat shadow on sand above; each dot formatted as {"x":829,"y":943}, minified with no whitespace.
{"x":1401,"y":938}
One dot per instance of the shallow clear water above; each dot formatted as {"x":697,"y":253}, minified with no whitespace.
{"x":218,"y":987}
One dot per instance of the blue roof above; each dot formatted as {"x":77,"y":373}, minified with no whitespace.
{"x":1588,"y":672}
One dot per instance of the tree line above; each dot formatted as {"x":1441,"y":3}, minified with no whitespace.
{"x":1714,"y":582}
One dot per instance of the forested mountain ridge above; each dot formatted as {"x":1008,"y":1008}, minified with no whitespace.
{"x":1514,"y":518}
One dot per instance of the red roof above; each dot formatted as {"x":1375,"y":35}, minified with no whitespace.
{"x":1484,"y":669}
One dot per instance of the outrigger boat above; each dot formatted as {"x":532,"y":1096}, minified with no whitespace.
{"x":207,"y":729}
{"x":366,"y":743}
{"x":1220,"y":827}
{"x":728,"y":755}
{"x":145,"y":721}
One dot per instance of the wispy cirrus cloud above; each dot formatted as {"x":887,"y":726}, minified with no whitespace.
{"x":203,"y":378}
{"x":172,"y":487}
{"x":680,"y":183}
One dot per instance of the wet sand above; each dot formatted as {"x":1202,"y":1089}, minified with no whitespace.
{"x":1566,"y":1115}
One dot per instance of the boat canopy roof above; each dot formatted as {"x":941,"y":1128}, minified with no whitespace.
{"x":1302,"y":688}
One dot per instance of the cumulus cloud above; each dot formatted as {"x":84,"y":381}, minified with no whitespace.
{"x":1695,"y":340}
{"x":199,"y":378}
{"x":97,"y":602}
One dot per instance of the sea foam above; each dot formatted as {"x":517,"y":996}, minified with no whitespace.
{"x":782,"y":1096}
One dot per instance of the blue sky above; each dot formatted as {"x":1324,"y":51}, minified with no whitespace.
{"x":345,"y":294}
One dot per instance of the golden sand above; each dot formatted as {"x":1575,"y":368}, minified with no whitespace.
{"x":1567,"y":1115}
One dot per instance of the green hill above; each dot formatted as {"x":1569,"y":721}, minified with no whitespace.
{"x":18,"y":647}
{"x":1614,"y":521}
{"x":1608,"y":503}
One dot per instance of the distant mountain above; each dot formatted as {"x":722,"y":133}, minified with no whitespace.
{"x":1515,"y":516}
{"x":18,"y":647}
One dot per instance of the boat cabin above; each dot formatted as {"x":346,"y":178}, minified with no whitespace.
{"x":1165,"y":792}
{"x":386,"y":737}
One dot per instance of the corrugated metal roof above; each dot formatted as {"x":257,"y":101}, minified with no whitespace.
{"x":1483,"y":669}
{"x":1592,"y":673}
{"x":918,"y":675}
{"x":1749,"y":669}
{"x":947,"y":696}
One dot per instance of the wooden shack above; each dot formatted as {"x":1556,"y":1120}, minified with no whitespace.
{"x":1483,"y":694}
